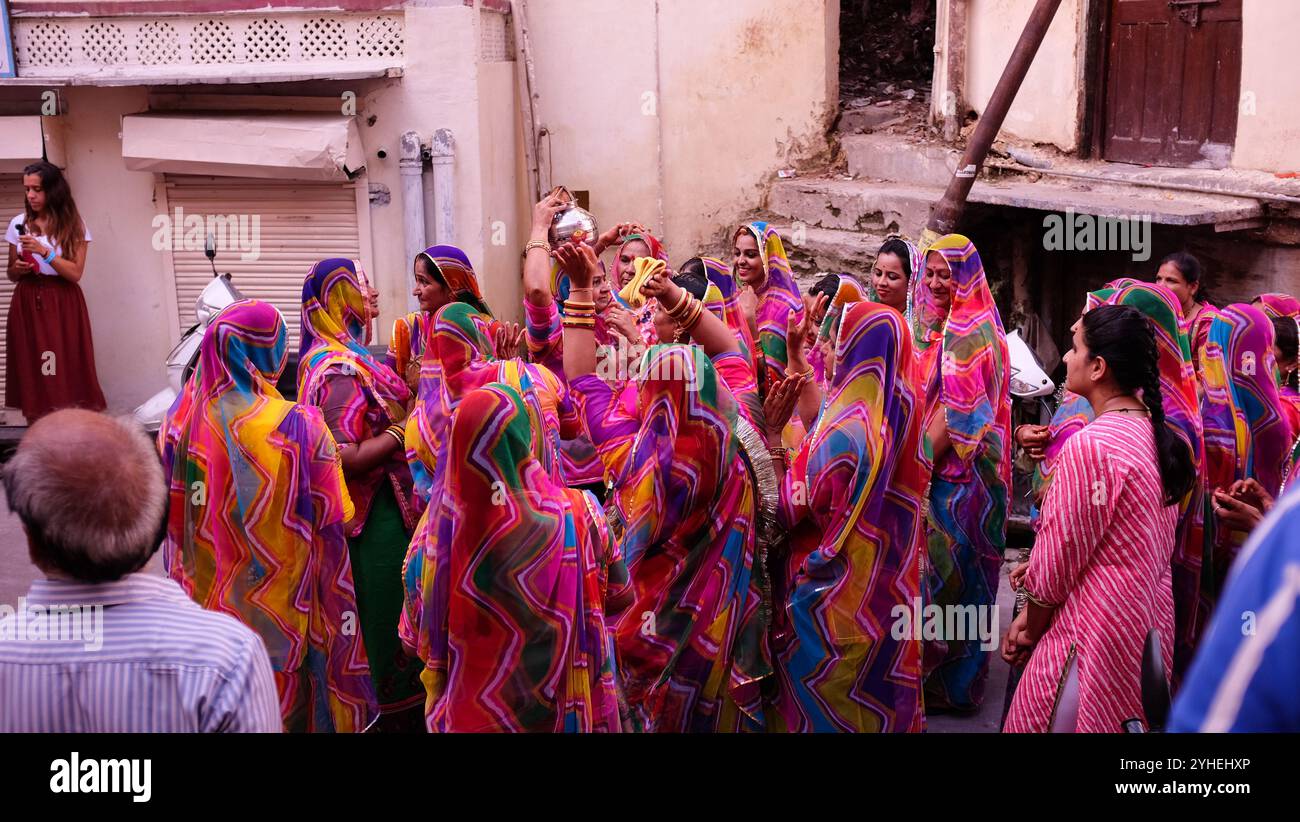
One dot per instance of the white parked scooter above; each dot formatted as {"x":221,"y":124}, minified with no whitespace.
{"x":216,"y":295}
{"x":1028,"y":380}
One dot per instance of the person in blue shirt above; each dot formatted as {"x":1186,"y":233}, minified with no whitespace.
{"x":1246,"y":676}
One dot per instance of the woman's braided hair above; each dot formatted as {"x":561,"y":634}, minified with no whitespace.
{"x":1122,"y":336}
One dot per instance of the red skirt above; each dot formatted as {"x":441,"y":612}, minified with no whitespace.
{"x":50,"y":360}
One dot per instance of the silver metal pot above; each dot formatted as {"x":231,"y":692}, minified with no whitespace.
{"x":573,"y":223}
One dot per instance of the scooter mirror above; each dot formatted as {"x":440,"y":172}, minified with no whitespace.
{"x":210,"y":246}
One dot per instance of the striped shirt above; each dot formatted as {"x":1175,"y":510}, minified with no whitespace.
{"x":1102,"y":558}
{"x":1246,"y":671}
{"x":156,"y":662}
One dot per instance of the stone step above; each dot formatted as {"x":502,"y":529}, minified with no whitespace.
{"x":886,"y":157}
{"x":816,"y":252}
{"x":854,"y":205}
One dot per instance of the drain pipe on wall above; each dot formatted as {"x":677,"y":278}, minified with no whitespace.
{"x":411,"y":164}
{"x":442,"y":157}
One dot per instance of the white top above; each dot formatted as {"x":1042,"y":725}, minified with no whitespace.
{"x":43,"y":267}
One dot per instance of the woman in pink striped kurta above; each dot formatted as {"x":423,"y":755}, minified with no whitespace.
{"x":1099,"y":577}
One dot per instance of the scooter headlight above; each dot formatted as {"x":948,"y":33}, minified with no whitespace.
{"x":1021,"y":387}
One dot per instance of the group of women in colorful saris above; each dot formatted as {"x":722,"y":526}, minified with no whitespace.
{"x":1225,"y":382}
{"x":690,"y":501}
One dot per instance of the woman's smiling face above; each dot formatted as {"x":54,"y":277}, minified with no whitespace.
{"x":747,"y":262}
{"x":938,"y":278}
{"x":890,"y":280}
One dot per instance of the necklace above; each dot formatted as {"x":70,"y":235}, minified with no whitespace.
{"x":1125,"y":411}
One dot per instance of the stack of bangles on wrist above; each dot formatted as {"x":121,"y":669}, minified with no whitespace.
{"x":780,"y":453}
{"x":580,"y":313}
{"x":686,"y":312}
{"x":398,"y":433}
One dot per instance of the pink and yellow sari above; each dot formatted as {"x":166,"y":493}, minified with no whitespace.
{"x":962,"y":372}
{"x":255,"y":527}
{"x":855,"y":499}
{"x":515,"y":618}
{"x":691,"y":632}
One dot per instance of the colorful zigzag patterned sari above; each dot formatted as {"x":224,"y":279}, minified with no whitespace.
{"x":517,"y":622}
{"x":962,"y":370}
{"x":858,"y":490}
{"x":255,"y":523}
{"x":691,"y":638}
{"x":1246,"y":434}
{"x":778,"y":298}
{"x":333,"y":345}
{"x":459,"y":359}
{"x":1284,"y":305}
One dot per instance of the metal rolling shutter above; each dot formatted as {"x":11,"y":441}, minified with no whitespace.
{"x":11,"y":203}
{"x":300,"y":223}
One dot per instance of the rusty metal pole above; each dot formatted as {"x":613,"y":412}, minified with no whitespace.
{"x":943,"y":220}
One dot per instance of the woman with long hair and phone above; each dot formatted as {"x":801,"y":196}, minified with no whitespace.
{"x":50,"y":360}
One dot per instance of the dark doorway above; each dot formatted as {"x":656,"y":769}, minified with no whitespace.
{"x":1173,"y":79}
{"x":886,"y":50}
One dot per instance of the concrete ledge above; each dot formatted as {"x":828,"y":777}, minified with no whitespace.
{"x":884,"y":207}
{"x":881,"y":156}
{"x":853,"y":205}
{"x":815,"y":252}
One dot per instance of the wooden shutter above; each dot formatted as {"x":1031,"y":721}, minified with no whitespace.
{"x":300,"y":223}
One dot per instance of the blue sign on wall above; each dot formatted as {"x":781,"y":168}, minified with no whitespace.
{"x":7,"y":47}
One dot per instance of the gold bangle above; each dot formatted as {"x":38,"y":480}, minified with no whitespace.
{"x":688,"y":316}
{"x":807,"y":373}
{"x":537,"y":244}
{"x":672,"y":312}
{"x":682,"y":306}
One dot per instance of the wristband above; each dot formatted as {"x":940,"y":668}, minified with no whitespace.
{"x":50,"y":259}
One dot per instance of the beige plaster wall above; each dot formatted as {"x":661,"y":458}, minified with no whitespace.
{"x":687,"y":112}
{"x":1268,"y":122}
{"x":1046,"y":108}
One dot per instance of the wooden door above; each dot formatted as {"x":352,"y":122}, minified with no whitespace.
{"x":1173,"y":79}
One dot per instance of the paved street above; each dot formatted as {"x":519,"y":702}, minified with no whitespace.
{"x":989,"y":717}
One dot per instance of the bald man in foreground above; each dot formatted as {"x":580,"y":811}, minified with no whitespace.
{"x":97,"y":645}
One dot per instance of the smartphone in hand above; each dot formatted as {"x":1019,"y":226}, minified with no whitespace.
{"x":26,"y":256}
